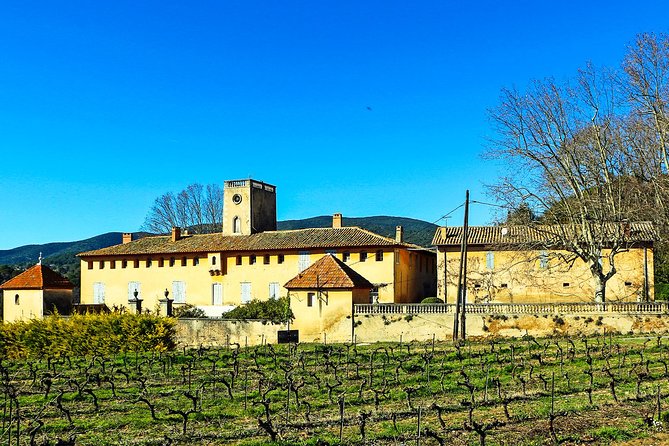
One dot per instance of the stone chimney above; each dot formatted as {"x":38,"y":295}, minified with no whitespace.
{"x":176,"y":233}
{"x":336,"y":220}
{"x":399,"y":234}
{"x":127,"y":237}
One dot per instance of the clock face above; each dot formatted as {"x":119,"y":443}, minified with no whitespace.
{"x":236,"y":198}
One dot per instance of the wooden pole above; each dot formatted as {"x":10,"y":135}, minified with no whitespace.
{"x":465,"y":236}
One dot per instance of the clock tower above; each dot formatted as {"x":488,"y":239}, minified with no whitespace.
{"x":249,"y":206}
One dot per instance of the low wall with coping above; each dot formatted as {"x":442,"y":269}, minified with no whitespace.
{"x":395,"y":325}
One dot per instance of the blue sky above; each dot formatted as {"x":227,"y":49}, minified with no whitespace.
{"x":106,"y":105}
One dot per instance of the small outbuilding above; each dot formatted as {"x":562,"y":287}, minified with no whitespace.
{"x":36,"y":292}
{"x":322,"y":297}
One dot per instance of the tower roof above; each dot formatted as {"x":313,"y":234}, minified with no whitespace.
{"x":39,"y":277}
{"x":328,"y":273}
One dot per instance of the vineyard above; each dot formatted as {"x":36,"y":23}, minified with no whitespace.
{"x":521,"y":392}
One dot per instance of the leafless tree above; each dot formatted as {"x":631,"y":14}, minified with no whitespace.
{"x":198,"y":208}
{"x":564,"y":143}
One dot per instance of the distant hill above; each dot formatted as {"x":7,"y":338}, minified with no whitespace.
{"x":61,"y":256}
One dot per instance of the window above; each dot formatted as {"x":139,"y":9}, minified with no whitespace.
{"x":303,"y":261}
{"x":217,"y":294}
{"x":363,"y":256}
{"x":504,"y":285}
{"x":132,"y":287}
{"x":379,"y":256}
{"x":346,"y":256}
{"x":136,"y":263}
{"x":246,"y":292}
{"x":16,"y":299}
{"x":543,"y":259}
{"x":172,"y":261}
{"x":148,"y":263}
{"x":98,"y":293}
{"x":374,"y":295}
{"x":124,"y":263}
{"x":310,"y":299}
{"x":183,"y":261}
{"x":239,"y":260}
{"x":266,"y":259}
{"x":213,"y":260}
{"x":196,"y":261}
{"x":112,"y":264}
{"x":161,"y":262}
{"x":279,"y":259}
{"x":252,"y":259}
{"x":565,"y":284}
{"x":490,"y":260}
{"x":102,"y":264}
{"x":236,"y":225}
{"x":179,"y":291}
{"x":331,"y":251}
{"x":628,"y":283}
{"x":274,"y":290}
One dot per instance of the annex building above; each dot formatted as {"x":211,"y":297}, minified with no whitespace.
{"x":525,"y":264}
{"x":250,"y":259}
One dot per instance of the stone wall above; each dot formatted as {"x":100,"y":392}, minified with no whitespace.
{"x":424,"y":327}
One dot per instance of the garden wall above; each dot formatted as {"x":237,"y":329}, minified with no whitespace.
{"x":423,"y":327}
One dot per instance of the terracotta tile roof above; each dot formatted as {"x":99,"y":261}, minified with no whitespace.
{"x":312,"y":238}
{"x":39,"y":277}
{"x":544,"y":234}
{"x":328,"y":273}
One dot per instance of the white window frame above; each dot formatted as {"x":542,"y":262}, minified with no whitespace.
{"x":274,"y":290}
{"x":214,"y":287}
{"x":490,"y":260}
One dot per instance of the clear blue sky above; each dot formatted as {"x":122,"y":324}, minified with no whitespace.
{"x":106,"y":105}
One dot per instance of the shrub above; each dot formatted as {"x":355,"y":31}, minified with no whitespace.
{"x":432,"y":300}
{"x":276,"y":311}
{"x":86,"y":334}
{"x":189,"y":311}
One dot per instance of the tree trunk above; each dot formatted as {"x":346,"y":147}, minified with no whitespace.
{"x":600,"y":287}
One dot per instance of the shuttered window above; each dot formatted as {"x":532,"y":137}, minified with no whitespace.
{"x":303,"y":261}
{"x":179,"y":291}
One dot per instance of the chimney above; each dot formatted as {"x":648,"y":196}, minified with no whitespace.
{"x":336,"y":220}
{"x":176,"y":233}
{"x":399,"y":234}
{"x":127,"y":237}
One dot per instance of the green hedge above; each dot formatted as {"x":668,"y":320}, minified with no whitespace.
{"x":88,"y":334}
{"x":276,"y":311}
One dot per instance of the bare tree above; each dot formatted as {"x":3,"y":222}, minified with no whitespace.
{"x":565,"y":146}
{"x":198,"y":208}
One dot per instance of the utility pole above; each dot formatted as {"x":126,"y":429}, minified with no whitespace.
{"x":459,"y":319}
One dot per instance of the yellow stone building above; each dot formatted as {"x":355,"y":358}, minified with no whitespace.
{"x":249,"y":259}
{"x":34,"y":293}
{"x":509,"y":265}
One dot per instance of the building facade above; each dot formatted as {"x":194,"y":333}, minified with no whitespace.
{"x":519,"y":264}
{"x":249,"y":259}
{"x":34,"y":293}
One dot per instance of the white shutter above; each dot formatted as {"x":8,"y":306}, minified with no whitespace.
{"x":132,"y":286}
{"x":179,"y":292}
{"x":246,"y":292}
{"x":99,"y":292}
{"x":303,"y":261}
{"x":217,"y":294}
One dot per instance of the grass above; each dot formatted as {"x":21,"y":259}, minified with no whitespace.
{"x":296,"y":392}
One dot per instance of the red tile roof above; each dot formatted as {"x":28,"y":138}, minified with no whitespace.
{"x":39,"y":277}
{"x":328,"y":273}
{"x":544,"y":234}
{"x":312,"y":238}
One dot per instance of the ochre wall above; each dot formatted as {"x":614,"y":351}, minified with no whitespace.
{"x":30,"y":305}
{"x":198,"y":279}
{"x":330,"y":309}
{"x":518,"y":276}
{"x":424,"y":327}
